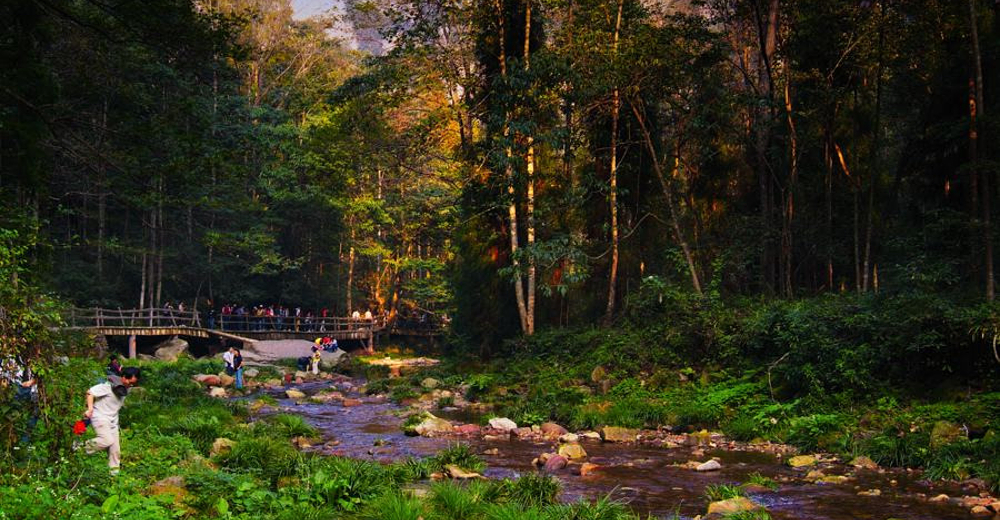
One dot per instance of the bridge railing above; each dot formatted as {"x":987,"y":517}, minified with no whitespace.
{"x":249,"y":323}
{"x":154,"y":317}
{"x":151,"y":317}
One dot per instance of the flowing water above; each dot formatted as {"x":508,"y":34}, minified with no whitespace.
{"x":642,"y":476}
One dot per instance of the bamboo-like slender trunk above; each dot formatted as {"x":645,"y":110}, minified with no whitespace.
{"x":609,"y":309}
{"x":669,"y":195}
{"x":789,"y":205}
{"x":530,"y":202}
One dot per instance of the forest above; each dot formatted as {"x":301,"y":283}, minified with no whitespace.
{"x":771,"y":218}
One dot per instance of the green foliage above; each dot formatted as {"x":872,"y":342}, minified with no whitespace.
{"x":716,"y":492}
{"x":813,"y":432}
{"x":394,"y":506}
{"x":288,"y":426}
{"x":267,"y":458}
{"x":460,"y":455}
{"x":756,"y":479}
{"x":755,"y":514}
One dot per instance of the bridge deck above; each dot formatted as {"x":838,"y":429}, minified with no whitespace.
{"x":171,"y":322}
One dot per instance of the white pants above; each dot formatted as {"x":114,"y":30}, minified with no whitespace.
{"x":315,"y":367}
{"x":107,"y":439}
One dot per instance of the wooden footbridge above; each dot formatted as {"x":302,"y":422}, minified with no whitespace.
{"x":172,"y":322}
{"x":246,"y":328}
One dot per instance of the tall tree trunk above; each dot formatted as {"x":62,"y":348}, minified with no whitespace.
{"x":876,"y":156}
{"x":767,"y":36}
{"x":522,"y":311}
{"x":789,"y":203}
{"x":615,"y":102}
{"x":828,"y":162}
{"x":977,"y":111}
{"x":350,"y":272}
{"x":530,"y":202}
{"x":159,"y":260}
{"x":669,"y":195}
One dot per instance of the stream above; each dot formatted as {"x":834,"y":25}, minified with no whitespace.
{"x":642,"y":476}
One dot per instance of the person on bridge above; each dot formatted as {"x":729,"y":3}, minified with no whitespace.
{"x":103,"y":402}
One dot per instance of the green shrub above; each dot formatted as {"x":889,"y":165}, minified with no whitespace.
{"x":262,"y":456}
{"x":812,"y":432}
{"x":897,"y":449}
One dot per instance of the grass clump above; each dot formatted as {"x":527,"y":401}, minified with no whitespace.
{"x":460,"y":455}
{"x":717,"y":492}
{"x":288,"y":426}
{"x":756,"y":479}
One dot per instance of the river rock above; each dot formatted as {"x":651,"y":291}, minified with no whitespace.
{"x":802,"y":461}
{"x":945,"y":432}
{"x":251,"y":372}
{"x":732,"y":506}
{"x":173,"y":486}
{"x":430,"y":383}
{"x":995,"y":506}
{"x":864,"y":462}
{"x":207,"y":379}
{"x":468,"y":429}
{"x":591,"y":436}
{"x":456,"y":472}
{"x":226,"y":380}
{"x":555,"y":463}
{"x":588,"y":468}
{"x":553,"y":430}
{"x":503,"y":424}
{"x":702,"y":438}
{"x":221,"y":446}
{"x":217,"y":391}
{"x":940,"y":498}
{"x":171,"y":349}
{"x":332,"y":359}
{"x":349,"y":402}
{"x":981,"y":511}
{"x":712,"y":465}
{"x":870,"y":493}
{"x":572,"y":451}
{"x":431,"y":425}
{"x":303,"y":375}
{"x":295,"y":394}
{"x":617,"y":434}
{"x":569,"y":437}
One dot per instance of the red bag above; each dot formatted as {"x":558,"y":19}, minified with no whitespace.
{"x":79,"y":427}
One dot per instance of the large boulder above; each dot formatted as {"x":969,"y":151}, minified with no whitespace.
{"x":251,"y":372}
{"x":503,"y":424}
{"x":617,"y":434}
{"x":171,"y":349}
{"x":945,"y":432}
{"x":332,"y":359}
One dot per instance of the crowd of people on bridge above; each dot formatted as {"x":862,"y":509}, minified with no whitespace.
{"x":278,"y":318}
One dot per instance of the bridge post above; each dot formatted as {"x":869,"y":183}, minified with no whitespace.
{"x":131,"y":346}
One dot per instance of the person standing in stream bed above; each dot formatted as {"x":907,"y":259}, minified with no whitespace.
{"x":237,"y":360}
